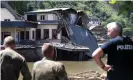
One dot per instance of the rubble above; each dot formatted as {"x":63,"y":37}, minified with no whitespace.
{"x":69,"y":46}
{"x":87,"y":75}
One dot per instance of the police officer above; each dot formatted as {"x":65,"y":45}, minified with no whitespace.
{"x":12,"y":63}
{"x":119,"y":52}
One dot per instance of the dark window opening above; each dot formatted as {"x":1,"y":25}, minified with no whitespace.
{"x":3,"y":35}
{"x":27,"y":35}
{"x":53,"y":34}
{"x":42,"y":17}
{"x":46,"y":33}
{"x":38,"y":34}
{"x":31,"y":17}
{"x":6,"y":19}
{"x":33,"y":34}
{"x":21,"y":35}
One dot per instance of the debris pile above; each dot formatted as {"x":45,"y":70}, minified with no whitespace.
{"x":69,"y":46}
{"x":87,"y":75}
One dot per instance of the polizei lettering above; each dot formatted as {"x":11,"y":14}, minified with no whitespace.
{"x":124,"y":47}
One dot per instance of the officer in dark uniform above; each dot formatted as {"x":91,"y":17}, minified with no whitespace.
{"x":119,"y":52}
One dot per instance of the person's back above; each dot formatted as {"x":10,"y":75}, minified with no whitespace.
{"x":120,"y":51}
{"x":49,"y":70}
{"x":12,"y":63}
{"x":46,"y":69}
{"x":121,"y":59}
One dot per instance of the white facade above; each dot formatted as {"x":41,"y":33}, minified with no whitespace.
{"x":45,"y":17}
{"x":8,"y":16}
{"x":22,"y":33}
{"x":31,"y":32}
{"x":10,"y":30}
{"x":5,"y":14}
{"x":15,"y":33}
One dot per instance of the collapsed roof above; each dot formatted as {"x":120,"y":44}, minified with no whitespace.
{"x":74,"y":28}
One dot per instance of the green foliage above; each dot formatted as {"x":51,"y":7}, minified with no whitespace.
{"x":128,"y":32}
{"x":112,"y":1}
{"x":98,"y":9}
{"x":19,"y":6}
{"x":131,"y":18}
{"x":126,"y":8}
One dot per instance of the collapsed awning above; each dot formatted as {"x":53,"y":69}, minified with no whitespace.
{"x":18,"y":24}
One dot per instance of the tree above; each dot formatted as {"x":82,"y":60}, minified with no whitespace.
{"x":124,"y":7}
{"x":19,"y":6}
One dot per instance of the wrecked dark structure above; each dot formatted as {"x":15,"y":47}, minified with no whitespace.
{"x":77,"y":42}
{"x":75,"y":30}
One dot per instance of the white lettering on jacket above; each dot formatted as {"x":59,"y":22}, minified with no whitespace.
{"x":124,"y":47}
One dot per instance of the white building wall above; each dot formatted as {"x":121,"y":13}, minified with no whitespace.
{"x":25,"y":17}
{"x":30,"y":33}
{"x":39,"y":16}
{"x":59,"y":35}
{"x":50,"y":17}
{"x":50,"y":35}
{"x":47,"y":16}
{"x":5,"y":14}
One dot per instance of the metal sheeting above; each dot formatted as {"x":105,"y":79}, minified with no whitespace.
{"x":76,"y":27}
{"x":19,"y":24}
{"x":70,"y":47}
{"x":83,"y":36}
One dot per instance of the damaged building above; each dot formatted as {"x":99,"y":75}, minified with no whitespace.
{"x":66,"y":28}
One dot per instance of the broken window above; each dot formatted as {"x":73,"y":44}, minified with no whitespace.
{"x":53,"y":34}
{"x":31,"y":17}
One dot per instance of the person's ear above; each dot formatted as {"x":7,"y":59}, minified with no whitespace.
{"x":14,"y":45}
{"x":52,"y":54}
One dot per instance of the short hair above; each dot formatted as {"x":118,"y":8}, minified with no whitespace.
{"x":47,"y":48}
{"x":9,"y":41}
{"x":116,"y":25}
